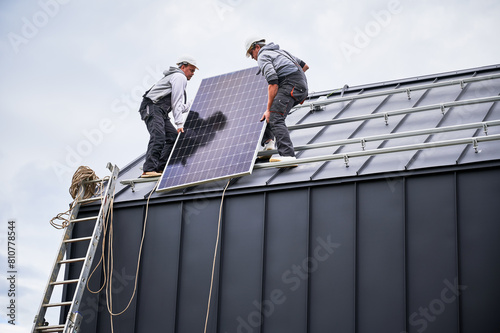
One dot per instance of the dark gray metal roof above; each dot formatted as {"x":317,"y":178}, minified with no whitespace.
{"x":402,"y":125}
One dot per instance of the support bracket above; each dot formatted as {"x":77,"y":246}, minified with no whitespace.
{"x":442,"y":109}
{"x":346,"y":160}
{"x":315,"y":108}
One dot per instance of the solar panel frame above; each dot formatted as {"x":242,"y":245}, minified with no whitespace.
{"x":222,"y":132}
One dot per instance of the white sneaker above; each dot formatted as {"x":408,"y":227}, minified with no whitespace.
{"x":268,"y":146}
{"x":284,"y":159}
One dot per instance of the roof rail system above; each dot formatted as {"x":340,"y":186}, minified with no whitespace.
{"x":362,"y":141}
{"x":408,"y":91}
{"x":385,"y":115}
{"x":471,"y":140}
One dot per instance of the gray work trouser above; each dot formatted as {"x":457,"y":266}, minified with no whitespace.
{"x":292,"y":90}
{"x":162,"y":137}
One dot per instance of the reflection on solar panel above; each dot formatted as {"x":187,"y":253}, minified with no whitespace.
{"x":222,"y":131}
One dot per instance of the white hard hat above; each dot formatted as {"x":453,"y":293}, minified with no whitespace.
{"x":186,"y":59}
{"x":250,"y":43}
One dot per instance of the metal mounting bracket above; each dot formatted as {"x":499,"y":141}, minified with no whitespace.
{"x":485,"y":128}
{"x":343,"y":90}
{"x":346,"y":160}
{"x":316,"y":108}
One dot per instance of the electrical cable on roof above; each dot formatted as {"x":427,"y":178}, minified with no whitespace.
{"x":333,"y":92}
{"x":215,"y":256}
{"x":82,"y":174}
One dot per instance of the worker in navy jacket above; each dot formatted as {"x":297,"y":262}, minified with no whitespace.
{"x":287,"y":87}
{"x":168,"y":94}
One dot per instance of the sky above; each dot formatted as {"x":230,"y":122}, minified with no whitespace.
{"x":73,"y":73}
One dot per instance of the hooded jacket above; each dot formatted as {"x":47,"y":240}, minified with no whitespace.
{"x":275,"y":63}
{"x":174,"y":83}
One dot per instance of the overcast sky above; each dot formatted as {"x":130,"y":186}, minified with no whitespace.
{"x":72,"y":73}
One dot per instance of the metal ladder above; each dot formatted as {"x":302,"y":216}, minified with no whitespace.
{"x":74,"y":318}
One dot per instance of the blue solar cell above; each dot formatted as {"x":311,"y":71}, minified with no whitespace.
{"x":222,"y":131}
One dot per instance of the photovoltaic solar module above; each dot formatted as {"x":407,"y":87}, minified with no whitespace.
{"x":222,"y":131}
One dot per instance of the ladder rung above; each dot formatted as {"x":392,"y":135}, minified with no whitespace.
{"x":70,"y":261}
{"x":64,"y":282}
{"x":73,"y":240}
{"x":83,"y":219}
{"x":90,"y":199}
{"x":52,"y":328}
{"x":56,"y":304}
{"x":100,"y":180}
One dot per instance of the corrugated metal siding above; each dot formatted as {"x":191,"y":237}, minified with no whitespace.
{"x":380,"y":258}
{"x":159,"y":267}
{"x":332,"y":286}
{"x":479,"y":249}
{"x":432,"y":251}
{"x":242,"y":257}
{"x":385,"y":254}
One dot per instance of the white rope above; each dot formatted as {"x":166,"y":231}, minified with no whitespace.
{"x":215,"y":256}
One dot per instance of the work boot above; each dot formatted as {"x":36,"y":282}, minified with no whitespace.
{"x":150,"y":174}
{"x":284,"y":159}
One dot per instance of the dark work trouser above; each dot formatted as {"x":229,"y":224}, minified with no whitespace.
{"x":292,"y":90}
{"x":162,"y":137}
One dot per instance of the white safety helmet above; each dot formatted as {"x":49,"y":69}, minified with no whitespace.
{"x":186,"y":60}
{"x":251,"y":42}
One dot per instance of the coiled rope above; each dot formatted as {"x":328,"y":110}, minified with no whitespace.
{"x":81,"y":175}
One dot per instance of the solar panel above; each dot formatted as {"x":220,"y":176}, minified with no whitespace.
{"x":222,"y":132}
